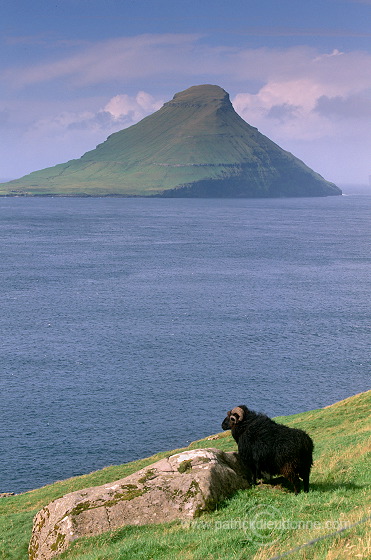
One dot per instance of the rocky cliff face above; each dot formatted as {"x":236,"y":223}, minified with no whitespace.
{"x":196,"y":145}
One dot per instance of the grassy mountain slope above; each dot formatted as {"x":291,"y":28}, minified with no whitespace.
{"x":195,"y":145}
{"x":340,"y":495}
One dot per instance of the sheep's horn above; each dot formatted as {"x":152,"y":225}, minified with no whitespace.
{"x":239,"y":411}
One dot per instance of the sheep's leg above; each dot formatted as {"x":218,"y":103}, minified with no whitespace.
{"x":254,"y":475}
{"x":305,"y":478}
{"x":251,"y":473}
{"x":292,"y":477}
{"x":295,"y":480}
{"x":255,"y":471}
{"x":249,"y":466}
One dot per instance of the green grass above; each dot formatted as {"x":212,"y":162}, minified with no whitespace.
{"x":339,"y":496}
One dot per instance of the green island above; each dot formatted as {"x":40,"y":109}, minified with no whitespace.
{"x":338,"y":505}
{"x":196,"y":145}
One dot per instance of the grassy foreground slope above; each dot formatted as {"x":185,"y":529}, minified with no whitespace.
{"x":196,"y":145}
{"x":340,"y":496}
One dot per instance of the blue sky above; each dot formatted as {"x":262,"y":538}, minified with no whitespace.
{"x":74,"y":71}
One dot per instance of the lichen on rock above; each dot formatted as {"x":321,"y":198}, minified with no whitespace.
{"x":182,"y":486}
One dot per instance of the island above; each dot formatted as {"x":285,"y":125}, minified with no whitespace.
{"x":196,"y":145}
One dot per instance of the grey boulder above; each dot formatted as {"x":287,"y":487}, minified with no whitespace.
{"x":181,"y":486}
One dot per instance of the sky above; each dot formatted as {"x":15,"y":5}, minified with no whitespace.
{"x":74,"y":71}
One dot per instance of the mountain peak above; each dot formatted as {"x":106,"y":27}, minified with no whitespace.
{"x":201,"y":95}
{"x":196,"y":145}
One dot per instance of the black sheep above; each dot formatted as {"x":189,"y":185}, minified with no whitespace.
{"x":265,"y":446}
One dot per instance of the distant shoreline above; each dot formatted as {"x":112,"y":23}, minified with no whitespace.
{"x":347,"y":190}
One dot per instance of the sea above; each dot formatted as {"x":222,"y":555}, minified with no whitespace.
{"x":130,"y":326}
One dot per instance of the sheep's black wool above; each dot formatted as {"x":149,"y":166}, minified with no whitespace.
{"x":267,"y":447}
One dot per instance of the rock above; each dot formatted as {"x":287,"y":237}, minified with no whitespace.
{"x":179,"y":487}
{"x":6,"y":494}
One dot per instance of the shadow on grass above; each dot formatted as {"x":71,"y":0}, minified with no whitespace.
{"x":331,"y":486}
{"x":285,"y":485}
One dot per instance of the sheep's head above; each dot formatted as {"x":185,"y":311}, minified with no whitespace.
{"x":233,"y":417}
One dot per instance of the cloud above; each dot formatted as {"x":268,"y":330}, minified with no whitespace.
{"x":298,"y":96}
{"x":335,"y":52}
{"x":352,"y":107}
{"x":300,"y":93}
{"x":53,"y":136}
{"x":288,"y":103}
{"x":119,"y":112}
{"x":127,"y":57}
{"x":132,"y":108}
{"x":283,"y":112}
{"x":187,"y":57}
{"x":308,"y":98}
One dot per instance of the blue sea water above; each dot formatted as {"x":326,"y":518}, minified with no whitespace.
{"x":130,"y":326}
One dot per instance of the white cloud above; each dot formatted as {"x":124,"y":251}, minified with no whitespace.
{"x":305,"y":98}
{"x":335,"y":52}
{"x":288,"y":105}
{"x":186,"y":57}
{"x":119,"y":112}
{"x":129,"y":57}
{"x":123,"y":106}
{"x":38,"y":135}
{"x":302,"y":93}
